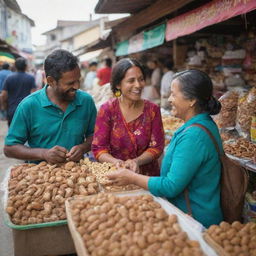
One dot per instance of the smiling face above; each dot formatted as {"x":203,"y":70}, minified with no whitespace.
{"x":65,"y":88}
{"x":181,"y":107}
{"x":132,"y":84}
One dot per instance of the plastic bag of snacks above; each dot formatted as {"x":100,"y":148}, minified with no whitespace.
{"x":245,"y":111}
{"x":227,"y":116}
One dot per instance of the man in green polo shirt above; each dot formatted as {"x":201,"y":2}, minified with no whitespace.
{"x":57,"y":122}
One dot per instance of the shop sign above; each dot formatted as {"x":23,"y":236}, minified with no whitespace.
{"x":142,"y":41}
{"x":136,"y":43}
{"x":122,"y":48}
{"x":206,"y":15}
{"x":154,"y":37}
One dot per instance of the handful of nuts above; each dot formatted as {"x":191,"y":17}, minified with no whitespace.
{"x":37,"y":192}
{"x":129,"y":225}
{"x":99,"y":170}
{"x":235,"y":239}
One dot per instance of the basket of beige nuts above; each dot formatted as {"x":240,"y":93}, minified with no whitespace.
{"x":132,"y":223}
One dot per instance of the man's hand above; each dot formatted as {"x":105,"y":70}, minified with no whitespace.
{"x":55,"y":155}
{"x":76,"y":153}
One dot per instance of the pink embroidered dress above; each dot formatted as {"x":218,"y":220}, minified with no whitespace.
{"x":113,"y":135}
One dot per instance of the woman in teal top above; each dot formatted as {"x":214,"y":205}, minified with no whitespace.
{"x":191,"y":161}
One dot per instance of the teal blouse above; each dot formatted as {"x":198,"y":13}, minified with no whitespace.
{"x":192,"y":162}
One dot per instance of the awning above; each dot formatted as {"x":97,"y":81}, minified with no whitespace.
{"x":89,"y":55}
{"x":142,"y":41}
{"x":6,"y":57}
{"x":206,"y":15}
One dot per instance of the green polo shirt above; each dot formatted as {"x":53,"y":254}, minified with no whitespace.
{"x":42,"y":124}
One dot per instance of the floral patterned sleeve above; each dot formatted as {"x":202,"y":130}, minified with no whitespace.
{"x":101,"y":137}
{"x":156,"y":145}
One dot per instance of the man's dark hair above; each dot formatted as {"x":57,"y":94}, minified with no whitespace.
{"x":58,"y":62}
{"x":21,"y":64}
{"x":94,"y":63}
{"x":168,"y":64}
{"x":108,"y":62}
{"x":6,"y":66}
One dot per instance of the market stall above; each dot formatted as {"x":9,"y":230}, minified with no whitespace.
{"x":35,"y":197}
{"x":41,"y":199}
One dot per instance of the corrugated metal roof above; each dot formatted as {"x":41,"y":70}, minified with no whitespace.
{"x":122,"y":6}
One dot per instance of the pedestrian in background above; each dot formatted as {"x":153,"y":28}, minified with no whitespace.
{"x":16,"y":87}
{"x":40,"y":78}
{"x":104,"y":73}
{"x":166,"y":84}
{"x":155,"y":79}
{"x":3,"y":74}
{"x":90,"y":76}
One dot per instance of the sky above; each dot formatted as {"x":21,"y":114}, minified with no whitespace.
{"x":45,"y":14}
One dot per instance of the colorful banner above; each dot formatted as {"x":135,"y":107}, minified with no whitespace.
{"x":154,"y":37}
{"x":136,"y":43}
{"x":122,"y":48}
{"x":206,"y":15}
{"x":142,"y":41}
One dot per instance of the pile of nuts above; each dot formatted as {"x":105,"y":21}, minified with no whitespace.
{"x":227,"y":115}
{"x":246,"y":110}
{"x":100,"y":170}
{"x":236,"y":238}
{"x":225,"y":136}
{"x":241,"y":148}
{"x":130,"y":226}
{"x":37,"y":192}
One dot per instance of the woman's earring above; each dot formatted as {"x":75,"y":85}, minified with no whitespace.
{"x":118,"y":93}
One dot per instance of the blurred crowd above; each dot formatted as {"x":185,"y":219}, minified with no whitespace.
{"x":96,"y":79}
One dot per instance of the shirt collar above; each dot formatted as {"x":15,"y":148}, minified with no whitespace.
{"x":45,"y":101}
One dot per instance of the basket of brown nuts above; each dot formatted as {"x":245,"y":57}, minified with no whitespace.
{"x":133,"y":223}
{"x":37,"y":193}
{"x":232,"y":239}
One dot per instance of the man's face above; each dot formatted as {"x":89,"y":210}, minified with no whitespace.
{"x":65,"y":88}
{"x":93,"y":68}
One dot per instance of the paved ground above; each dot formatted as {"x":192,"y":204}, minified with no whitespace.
{"x":6,"y":242}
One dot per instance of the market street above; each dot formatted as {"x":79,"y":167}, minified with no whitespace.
{"x":6,"y":243}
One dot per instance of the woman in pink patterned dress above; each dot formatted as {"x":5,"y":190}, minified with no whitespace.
{"x":128,"y":129}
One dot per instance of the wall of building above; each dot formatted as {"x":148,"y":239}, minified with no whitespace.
{"x":15,"y":28}
{"x":3,"y":20}
{"x":86,"y":37}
